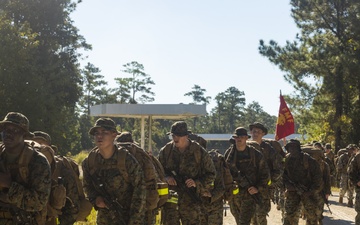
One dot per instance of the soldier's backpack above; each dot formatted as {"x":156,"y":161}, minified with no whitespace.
{"x":150,"y":174}
{"x":198,"y":139}
{"x":277,"y":146}
{"x":162,"y":185}
{"x":22,"y":166}
{"x":57,"y":198}
{"x":85,"y":206}
{"x":221,"y":167}
{"x":168,"y":152}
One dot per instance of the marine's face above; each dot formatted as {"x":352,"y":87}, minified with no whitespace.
{"x":12,"y":136}
{"x":104,"y":137}
{"x":180,"y":141}
{"x":240,"y":141}
{"x":293,"y":148}
{"x":257,"y":134}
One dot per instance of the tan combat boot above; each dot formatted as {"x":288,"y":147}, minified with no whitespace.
{"x":350,"y":203}
{"x":340,"y":200}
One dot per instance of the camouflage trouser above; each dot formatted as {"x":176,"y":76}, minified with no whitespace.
{"x":189,"y":211}
{"x":357,"y":206}
{"x":213,"y":213}
{"x":242,"y":208}
{"x":320,"y":209}
{"x":170,"y":214}
{"x":346,"y":187}
{"x":281,"y":203}
{"x":292,"y":208}
{"x":261,"y":212}
{"x":103,"y":217}
{"x":150,"y":217}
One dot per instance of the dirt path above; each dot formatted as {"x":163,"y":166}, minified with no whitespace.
{"x":341,"y":214}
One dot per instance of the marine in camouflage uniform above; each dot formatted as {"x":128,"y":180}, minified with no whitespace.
{"x":318,"y":154}
{"x":251,"y":172}
{"x":336,"y":159}
{"x":273,"y":160}
{"x":345,"y":185}
{"x":302,"y":179}
{"x":213,"y":207}
{"x":189,"y":169}
{"x":103,"y":172}
{"x":354,"y":176}
{"x":330,"y":160}
{"x":28,"y":192}
{"x":68,"y":213}
{"x":150,"y":175}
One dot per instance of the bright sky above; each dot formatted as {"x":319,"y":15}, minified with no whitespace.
{"x":211,"y":43}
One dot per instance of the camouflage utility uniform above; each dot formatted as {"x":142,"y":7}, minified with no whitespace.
{"x":29,"y":174}
{"x":354,"y":176}
{"x":249,"y":163}
{"x":273,"y":160}
{"x":345,"y":185}
{"x":185,"y":165}
{"x":191,"y":164}
{"x":302,"y":179}
{"x":129,"y":193}
{"x":325,"y":192}
{"x":113,"y":180}
{"x":213,"y":207}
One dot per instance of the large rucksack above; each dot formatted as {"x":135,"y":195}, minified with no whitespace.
{"x":57,"y":198}
{"x":277,"y":146}
{"x":151,"y":175}
{"x":144,"y":159}
{"x":85,"y":206}
{"x":162,"y":185}
{"x":221,"y":167}
{"x":31,"y":148}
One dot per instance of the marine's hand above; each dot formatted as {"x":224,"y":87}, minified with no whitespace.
{"x":190,"y":183}
{"x":358,"y":183}
{"x":5,"y":180}
{"x":253,"y":190}
{"x":171,"y":181}
{"x":100,"y":202}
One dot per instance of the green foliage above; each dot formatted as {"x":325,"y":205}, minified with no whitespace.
{"x":80,"y":156}
{"x":197,"y":95}
{"x":137,"y":84}
{"x":229,"y":109}
{"x":39,"y":74}
{"x":92,"y":84}
{"x":323,"y":66}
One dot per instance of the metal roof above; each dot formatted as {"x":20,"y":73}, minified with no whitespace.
{"x":155,"y":111}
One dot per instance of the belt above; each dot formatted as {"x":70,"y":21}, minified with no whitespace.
{"x":5,"y":215}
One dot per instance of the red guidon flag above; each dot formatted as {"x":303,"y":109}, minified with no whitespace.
{"x":285,"y":122}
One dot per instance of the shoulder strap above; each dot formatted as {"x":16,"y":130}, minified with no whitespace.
{"x":121,"y":154}
{"x":68,"y":164}
{"x":91,"y":160}
{"x":197,"y":154}
{"x":24,"y":161}
{"x":121,"y":163}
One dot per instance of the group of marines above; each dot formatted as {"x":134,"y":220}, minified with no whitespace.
{"x":297,"y":178}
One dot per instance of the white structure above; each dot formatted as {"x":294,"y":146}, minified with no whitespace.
{"x":150,"y":111}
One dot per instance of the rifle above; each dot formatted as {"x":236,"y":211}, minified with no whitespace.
{"x":180,"y":181}
{"x":245,"y":182}
{"x":299,"y":188}
{"x":19,"y":216}
{"x":114,"y":206}
{"x":326,"y":201}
